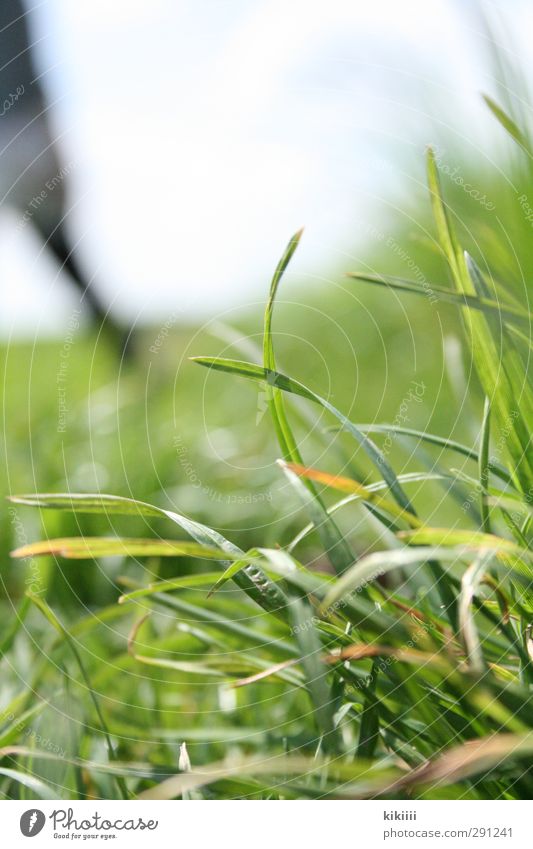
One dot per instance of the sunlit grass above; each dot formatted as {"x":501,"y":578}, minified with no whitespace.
{"x":376,"y":644}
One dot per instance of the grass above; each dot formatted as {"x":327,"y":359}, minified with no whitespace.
{"x":365,"y":632}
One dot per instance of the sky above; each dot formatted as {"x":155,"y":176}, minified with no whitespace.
{"x":201,"y":134}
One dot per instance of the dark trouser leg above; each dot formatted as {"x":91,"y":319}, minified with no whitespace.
{"x":65,"y":256}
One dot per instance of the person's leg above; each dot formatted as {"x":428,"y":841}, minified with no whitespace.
{"x":65,"y":256}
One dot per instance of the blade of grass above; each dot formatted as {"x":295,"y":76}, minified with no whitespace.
{"x":470,"y":759}
{"x":507,"y":123}
{"x":200,"y":613}
{"x":56,"y":624}
{"x":497,"y":366}
{"x":42,"y":790}
{"x":352,"y":487}
{"x":513,"y":315}
{"x":251,"y":580}
{"x":442,"y":442}
{"x":377,"y":564}
{"x":470,"y":583}
{"x":232,"y":570}
{"x":315,"y":672}
{"x":372,"y":779}
{"x":337,"y":549}
{"x":484,"y":468}
{"x":265,"y":673}
{"x":83,"y":548}
{"x":410,"y":477}
{"x":474,"y":540}
{"x":12,"y":631}
{"x":183,"y":582}
{"x":287,"y":384}
{"x":320,"y":518}
{"x":370,"y":718}
{"x":275,"y":402}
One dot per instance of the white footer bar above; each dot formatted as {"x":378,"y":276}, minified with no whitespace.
{"x":268,"y":825}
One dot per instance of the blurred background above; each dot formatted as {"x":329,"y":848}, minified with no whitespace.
{"x":190,"y":141}
{"x":199,"y":136}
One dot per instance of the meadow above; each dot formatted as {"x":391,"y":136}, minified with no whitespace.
{"x":289,"y":558}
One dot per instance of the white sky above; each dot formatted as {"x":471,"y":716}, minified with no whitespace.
{"x":205,"y":132}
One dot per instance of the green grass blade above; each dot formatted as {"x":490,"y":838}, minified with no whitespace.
{"x":336,"y":547}
{"x":40,"y":788}
{"x":410,"y":477}
{"x":320,"y":519}
{"x":231,"y":571}
{"x":54,"y":621}
{"x":82,"y":548}
{"x":497,"y":363}
{"x":372,"y":566}
{"x":370,"y":718}
{"x":515,"y":316}
{"x":441,"y":441}
{"x":353,"y":487}
{"x":287,"y":384}
{"x":315,"y":670}
{"x":215,"y":619}
{"x":459,"y":536}
{"x":468,"y":760}
{"x":205,"y":579}
{"x":275,"y":401}
{"x":12,"y":631}
{"x":483,"y":467}
{"x":470,"y":583}
{"x":507,"y":123}
{"x":362,"y":775}
{"x":251,"y":580}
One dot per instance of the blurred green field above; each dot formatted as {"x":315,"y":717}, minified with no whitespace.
{"x":159,"y":429}
{"x":156,"y":428}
